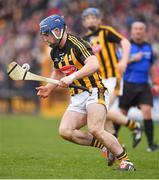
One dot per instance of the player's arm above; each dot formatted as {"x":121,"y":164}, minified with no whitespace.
{"x":85,"y":56}
{"x":122,"y":65}
{"x":125,"y":44}
{"x":115,"y":37}
{"x":153,"y":75}
{"x":91,"y":66}
{"x":56,"y":74}
{"x":44,"y":91}
{"x":135,"y":58}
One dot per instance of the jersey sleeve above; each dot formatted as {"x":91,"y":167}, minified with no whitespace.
{"x":82,"y":50}
{"x":114,"y":36}
{"x":53,"y":59}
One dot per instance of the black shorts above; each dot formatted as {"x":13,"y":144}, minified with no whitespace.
{"x":135,"y":95}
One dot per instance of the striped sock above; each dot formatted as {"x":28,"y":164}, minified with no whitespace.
{"x":123,"y":156}
{"x":131,"y":124}
{"x":96,"y":143}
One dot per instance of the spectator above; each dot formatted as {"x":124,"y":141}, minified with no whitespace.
{"x":19,"y":20}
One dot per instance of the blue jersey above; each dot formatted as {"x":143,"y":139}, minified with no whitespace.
{"x":138,"y":72}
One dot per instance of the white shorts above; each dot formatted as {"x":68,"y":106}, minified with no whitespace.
{"x":113,"y":86}
{"x":79,"y":102}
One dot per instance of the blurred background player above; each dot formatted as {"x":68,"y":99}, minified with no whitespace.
{"x":136,"y":90}
{"x":84,"y":108}
{"x":104,"y":41}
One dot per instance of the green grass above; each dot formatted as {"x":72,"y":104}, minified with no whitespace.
{"x":30,"y":147}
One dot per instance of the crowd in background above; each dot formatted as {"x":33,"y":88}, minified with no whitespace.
{"x":19,"y":29}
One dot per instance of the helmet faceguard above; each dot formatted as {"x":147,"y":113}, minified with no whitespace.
{"x":58,"y":37}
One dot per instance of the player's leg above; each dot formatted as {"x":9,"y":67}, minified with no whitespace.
{"x":70,"y":126}
{"x":109,"y":126}
{"x":145,"y":105}
{"x":95,"y":120}
{"x":148,"y":123}
{"x":70,"y":130}
{"x":118,"y":126}
{"x":73,"y":119}
{"x":117,"y":116}
{"x":96,"y":114}
{"x":126,"y":100}
{"x":111,"y":84}
{"x":109,"y":156}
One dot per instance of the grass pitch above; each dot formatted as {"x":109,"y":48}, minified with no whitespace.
{"x":30,"y":147}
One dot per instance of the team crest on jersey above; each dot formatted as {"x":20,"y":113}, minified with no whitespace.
{"x":56,"y":60}
{"x":68,"y":69}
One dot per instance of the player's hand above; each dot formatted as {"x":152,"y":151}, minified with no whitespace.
{"x":96,"y":48}
{"x":43,"y":91}
{"x":121,"y":67}
{"x":155,"y":89}
{"x":137,"y":57}
{"x":65,"y":82}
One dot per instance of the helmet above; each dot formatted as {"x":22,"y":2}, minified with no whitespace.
{"x":50,"y":23}
{"x":91,"y":11}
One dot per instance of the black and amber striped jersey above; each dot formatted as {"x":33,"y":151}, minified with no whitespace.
{"x":72,"y":56}
{"x":107,"y":39}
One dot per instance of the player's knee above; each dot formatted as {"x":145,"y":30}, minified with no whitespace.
{"x":65,"y":133}
{"x":146,"y":113}
{"x":124,"y":111}
{"x":95,"y":131}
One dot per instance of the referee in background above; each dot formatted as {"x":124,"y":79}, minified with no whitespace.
{"x":136,"y":89}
